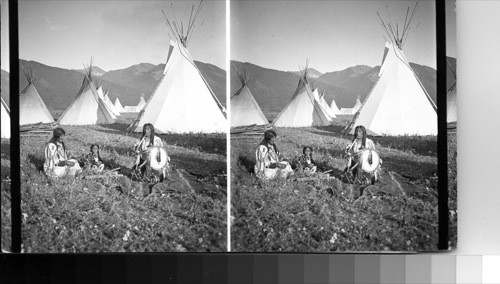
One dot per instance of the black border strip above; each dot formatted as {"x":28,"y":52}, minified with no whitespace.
{"x":15,"y":169}
{"x":442,"y":137}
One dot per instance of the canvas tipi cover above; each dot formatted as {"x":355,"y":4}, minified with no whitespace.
{"x":333,"y":106}
{"x":107,"y":102}
{"x":326,"y":107}
{"x":31,"y":106}
{"x":5,"y":118}
{"x":398,"y":104}
{"x":303,"y":110}
{"x":244,"y":108}
{"x":118,"y":105}
{"x":87,"y":108}
{"x":353,"y":109}
{"x":182,"y":101}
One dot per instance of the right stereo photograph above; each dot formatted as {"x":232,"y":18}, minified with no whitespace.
{"x":334,"y":126}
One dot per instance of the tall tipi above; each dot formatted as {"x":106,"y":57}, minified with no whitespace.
{"x":5,"y":118}
{"x":244,"y":109}
{"x":182,"y":101}
{"x":303,"y":110}
{"x":31,"y":106}
{"x":87,"y":108}
{"x":451,"y":95}
{"x":398,"y":103}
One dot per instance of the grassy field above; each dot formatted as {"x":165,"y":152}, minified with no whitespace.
{"x":452,"y":187}
{"x":321,"y":215}
{"x":108,"y":215}
{"x":5,"y":195}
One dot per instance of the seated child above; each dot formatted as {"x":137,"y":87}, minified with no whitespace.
{"x":93,"y":159}
{"x":306,"y":163}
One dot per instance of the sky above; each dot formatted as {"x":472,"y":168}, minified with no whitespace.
{"x":4,"y":27}
{"x":117,"y":34}
{"x":333,"y":35}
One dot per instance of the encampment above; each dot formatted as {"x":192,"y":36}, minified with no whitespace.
{"x":87,"y":108}
{"x":304,"y":110}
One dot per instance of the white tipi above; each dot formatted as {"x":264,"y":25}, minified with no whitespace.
{"x":352,"y":110}
{"x":398,"y":103}
{"x":87,"y":108}
{"x":333,"y":106}
{"x":303,"y":110}
{"x":104,"y":97}
{"x":31,"y":106}
{"x":244,"y":109}
{"x":118,"y":105}
{"x":182,"y":101}
{"x":326,"y":107}
{"x":5,"y":118}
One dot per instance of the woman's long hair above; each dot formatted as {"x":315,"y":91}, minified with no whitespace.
{"x":363,"y":139}
{"x":98,"y":151}
{"x":58,"y":132}
{"x":310,"y":148}
{"x":152,"y":135}
{"x":268,"y":135}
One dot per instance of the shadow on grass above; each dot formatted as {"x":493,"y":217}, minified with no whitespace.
{"x":247,"y":163}
{"x":37,"y":161}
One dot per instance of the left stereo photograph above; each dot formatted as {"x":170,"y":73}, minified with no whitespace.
{"x":123,"y":126}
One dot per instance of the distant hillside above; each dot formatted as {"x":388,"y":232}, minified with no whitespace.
{"x":96,"y":71}
{"x":145,"y":76}
{"x":361,"y":78}
{"x":273,"y":89}
{"x":58,"y":87}
{"x":358,"y":79}
{"x":311,"y":73}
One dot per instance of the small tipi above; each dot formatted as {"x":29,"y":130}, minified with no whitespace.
{"x":352,"y":110}
{"x":118,"y":105}
{"x":398,"y":103}
{"x":326,"y":107}
{"x":451,"y":95}
{"x":333,"y":106}
{"x":244,"y":108}
{"x":303,"y":110}
{"x":104,"y":97}
{"x":87,"y":108}
{"x":182,"y":101}
{"x":31,"y":106}
{"x":5,"y":118}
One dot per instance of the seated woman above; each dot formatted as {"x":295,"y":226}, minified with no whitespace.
{"x":269,"y":164}
{"x":143,"y":147}
{"x":306,"y":163}
{"x":93,"y":160}
{"x":359,"y":144}
{"x":57,"y":162}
